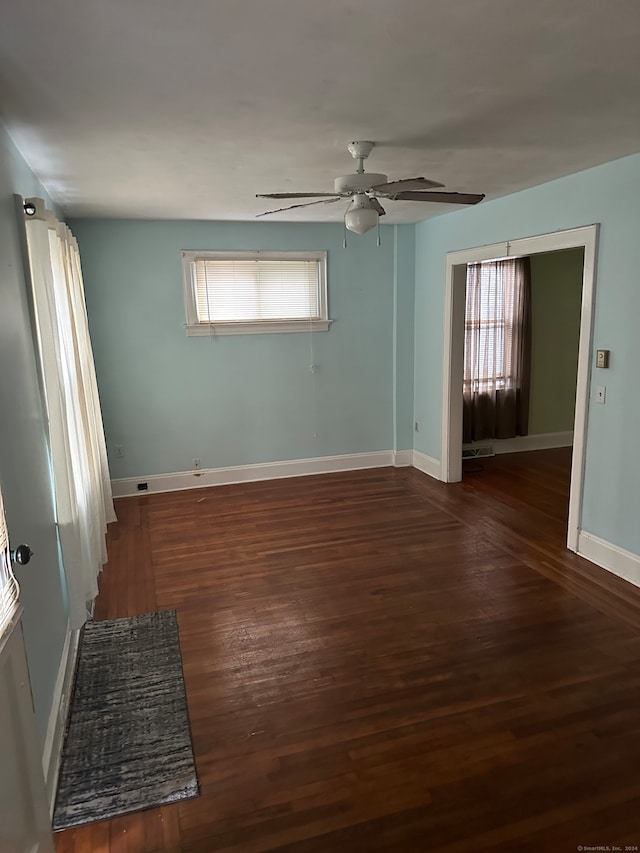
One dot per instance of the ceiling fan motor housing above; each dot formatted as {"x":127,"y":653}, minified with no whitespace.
{"x":360,"y":149}
{"x":358,"y":182}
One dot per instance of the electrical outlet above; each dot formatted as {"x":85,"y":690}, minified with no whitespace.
{"x":196,"y":465}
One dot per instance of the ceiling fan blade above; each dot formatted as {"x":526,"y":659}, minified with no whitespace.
{"x":293,"y":195}
{"x":378,"y":207}
{"x":442,"y":198}
{"x":293,"y":206}
{"x":409,"y":185}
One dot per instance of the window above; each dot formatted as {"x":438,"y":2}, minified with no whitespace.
{"x":491,"y":322}
{"x":497,"y":350}
{"x":240,"y":293}
{"x":8,"y":584}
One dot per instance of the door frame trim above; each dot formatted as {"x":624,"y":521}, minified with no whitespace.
{"x":453,"y":354}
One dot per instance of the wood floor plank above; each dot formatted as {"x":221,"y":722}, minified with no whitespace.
{"x":375,"y":661}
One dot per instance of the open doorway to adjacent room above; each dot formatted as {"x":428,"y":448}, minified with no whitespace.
{"x":562,"y":285}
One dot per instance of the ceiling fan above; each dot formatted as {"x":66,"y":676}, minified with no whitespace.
{"x":364,"y":190}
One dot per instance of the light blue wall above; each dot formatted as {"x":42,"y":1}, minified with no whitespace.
{"x":24,"y":461}
{"x":168,"y":398}
{"x":608,"y":195}
{"x":403,"y":332}
{"x":237,"y":400}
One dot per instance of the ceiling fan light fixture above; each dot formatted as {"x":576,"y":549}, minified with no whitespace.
{"x":361,"y":216}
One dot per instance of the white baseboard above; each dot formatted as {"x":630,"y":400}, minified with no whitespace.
{"x":54,"y":740}
{"x":128,"y":486}
{"x":542,"y":441}
{"x":623,"y":563}
{"x":427,"y":464}
{"x":250,"y":473}
{"x":403,"y":458}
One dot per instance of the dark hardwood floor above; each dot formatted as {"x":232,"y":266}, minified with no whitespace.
{"x":376,"y":661}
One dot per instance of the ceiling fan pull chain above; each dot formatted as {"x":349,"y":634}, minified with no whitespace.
{"x":378,"y":241}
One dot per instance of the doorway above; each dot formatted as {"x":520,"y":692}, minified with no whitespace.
{"x":453,"y":355}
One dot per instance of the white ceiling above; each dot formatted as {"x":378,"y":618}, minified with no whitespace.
{"x":159,"y":108}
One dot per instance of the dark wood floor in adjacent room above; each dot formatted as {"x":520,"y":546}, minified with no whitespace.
{"x":376,"y":661}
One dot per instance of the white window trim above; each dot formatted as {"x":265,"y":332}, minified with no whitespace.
{"x":195,"y":328}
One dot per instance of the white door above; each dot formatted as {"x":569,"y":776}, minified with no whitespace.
{"x":24,"y":814}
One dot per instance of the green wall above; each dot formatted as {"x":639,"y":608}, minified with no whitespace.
{"x":556,"y":296}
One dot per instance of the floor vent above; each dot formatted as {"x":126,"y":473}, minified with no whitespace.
{"x":477,"y":452}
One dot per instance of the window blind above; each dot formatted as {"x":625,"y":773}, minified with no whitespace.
{"x":241,"y":291}
{"x":8,"y":585}
{"x":489,"y":322}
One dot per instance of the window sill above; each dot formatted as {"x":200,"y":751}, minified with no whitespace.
{"x":269,"y":327}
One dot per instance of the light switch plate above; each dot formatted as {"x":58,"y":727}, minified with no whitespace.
{"x":601,"y":394}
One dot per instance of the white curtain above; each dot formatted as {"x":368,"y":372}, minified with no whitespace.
{"x":81,"y":481}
